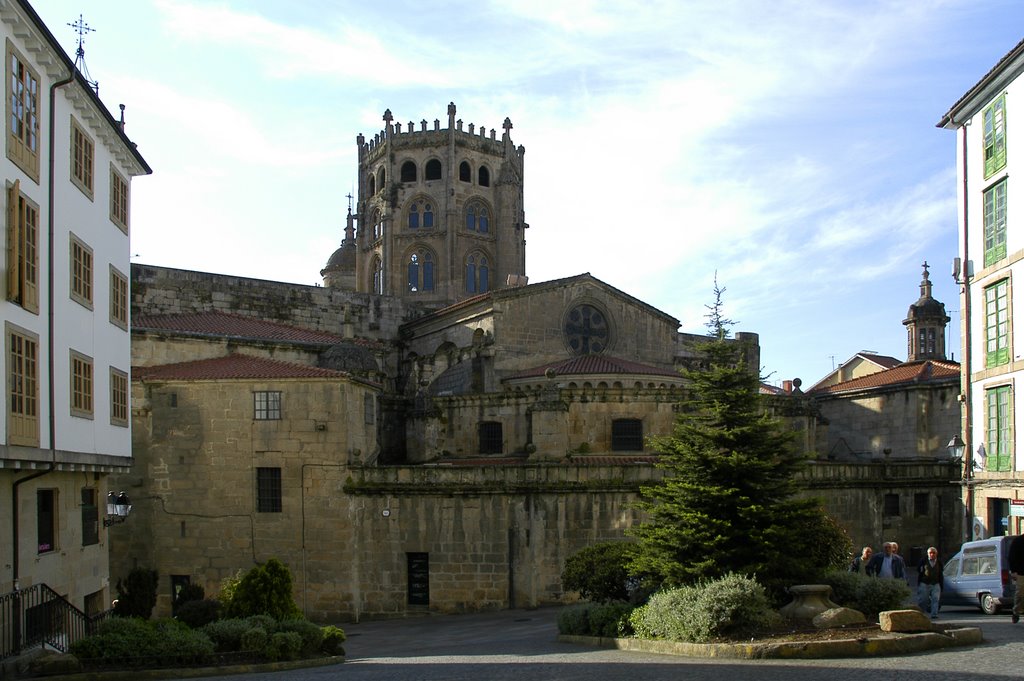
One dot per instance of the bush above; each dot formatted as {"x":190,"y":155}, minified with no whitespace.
{"x":254,"y":640}
{"x":136,"y":594}
{"x":312,"y":635}
{"x":609,"y":620}
{"x":600,"y":573}
{"x":870,"y":595}
{"x":264,"y":590}
{"x":732,"y":606}
{"x":186,"y":594}
{"x":198,"y":614}
{"x":333,"y":638}
{"x":227,"y":634}
{"x":283,"y":645}
{"x":130,"y":640}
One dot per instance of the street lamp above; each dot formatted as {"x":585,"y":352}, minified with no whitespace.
{"x":956,"y":448}
{"x":118,"y":508}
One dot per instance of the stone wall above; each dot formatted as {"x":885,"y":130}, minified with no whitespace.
{"x":908,"y":422}
{"x":162,"y":290}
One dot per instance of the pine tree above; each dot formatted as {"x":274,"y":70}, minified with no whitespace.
{"x":727,"y":500}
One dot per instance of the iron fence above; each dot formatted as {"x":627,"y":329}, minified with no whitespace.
{"x":39,"y":615}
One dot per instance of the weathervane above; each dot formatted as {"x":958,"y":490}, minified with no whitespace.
{"x":82,"y":28}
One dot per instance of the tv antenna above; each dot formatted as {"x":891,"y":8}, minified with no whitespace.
{"x":82,"y":28}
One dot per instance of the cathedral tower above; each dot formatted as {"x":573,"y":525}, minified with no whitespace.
{"x":926,"y":325}
{"x":439,"y":214}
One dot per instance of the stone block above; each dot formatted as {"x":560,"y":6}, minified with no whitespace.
{"x":904,"y":621}
{"x":834,"y":618}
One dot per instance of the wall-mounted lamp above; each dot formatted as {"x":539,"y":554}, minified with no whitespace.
{"x":956,"y":448}
{"x":118,"y":508}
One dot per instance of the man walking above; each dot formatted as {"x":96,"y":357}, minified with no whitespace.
{"x":929,"y":582}
{"x":1015,"y":558}
{"x":887,"y":565}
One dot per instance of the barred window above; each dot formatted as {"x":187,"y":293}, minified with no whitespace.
{"x":268,"y":490}
{"x":267,"y":405}
{"x":490,"y":437}
{"x":627,"y":435}
{"x":892,"y":505}
{"x":90,"y":517}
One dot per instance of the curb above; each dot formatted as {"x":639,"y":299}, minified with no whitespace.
{"x":193,"y":672}
{"x":896,"y":644}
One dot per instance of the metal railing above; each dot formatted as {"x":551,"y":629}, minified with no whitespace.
{"x":39,"y":615}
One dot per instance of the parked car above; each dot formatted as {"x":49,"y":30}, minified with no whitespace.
{"x":979,"y":575}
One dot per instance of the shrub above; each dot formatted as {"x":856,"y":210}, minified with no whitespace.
{"x":117,"y":638}
{"x":870,"y":595}
{"x":129,"y":640}
{"x":197,"y":614}
{"x":187,"y":593}
{"x":227,"y":634}
{"x":312,"y":635}
{"x":136,"y":594}
{"x":264,"y":590}
{"x":254,"y":640}
{"x":731,"y":606}
{"x":228,"y":586}
{"x":609,"y":620}
{"x":333,"y":638}
{"x":601,"y":573}
{"x":283,"y":645}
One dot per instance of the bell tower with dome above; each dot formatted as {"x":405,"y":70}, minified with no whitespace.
{"x":439,"y":214}
{"x":926,"y":325}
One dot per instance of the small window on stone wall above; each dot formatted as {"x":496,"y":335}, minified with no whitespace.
{"x":433,"y":169}
{"x":490,"y":437}
{"x":921,"y":503}
{"x":465,"y":173}
{"x":627,"y":435}
{"x":408,"y":173}
{"x":892,"y":505}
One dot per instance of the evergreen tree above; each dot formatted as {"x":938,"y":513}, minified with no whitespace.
{"x":726,"y":502}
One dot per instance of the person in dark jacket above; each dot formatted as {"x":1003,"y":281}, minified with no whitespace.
{"x":1015,"y":557}
{"x":860,"y":563}
{"x":929,"y":582}
{"x":887,"y":565}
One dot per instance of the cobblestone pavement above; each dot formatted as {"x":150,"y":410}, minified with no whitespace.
{"x":521,"y":644}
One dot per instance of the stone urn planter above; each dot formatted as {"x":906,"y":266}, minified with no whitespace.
{"x":809,"y":601}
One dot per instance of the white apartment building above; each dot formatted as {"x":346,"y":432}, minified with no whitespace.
{"x":67,"y":170}
{"x":989,"y":268}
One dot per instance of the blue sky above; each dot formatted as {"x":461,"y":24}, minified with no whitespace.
{"x":789,"y":146}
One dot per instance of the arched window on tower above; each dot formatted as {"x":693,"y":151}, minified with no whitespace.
{"x":373,"y":184}
{"x":477,"y":217}
{"x":408,"y":172}
{"x":380,"y":180}
{"x":484,"y":176}
{"x":432,"y":170}
{"x":421,"y":214}
{"x":465,"y":174}
{"x":477,"y":274}
{"x":378,"y":225}
{"x":378,"y":276}
{"x":421,"y":271}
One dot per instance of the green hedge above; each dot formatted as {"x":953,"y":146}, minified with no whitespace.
{"x":733,"y":606}
{"x":609,"y":620}
{"x":870,"y":595}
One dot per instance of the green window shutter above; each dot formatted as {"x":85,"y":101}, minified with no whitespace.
{"x":998,"y":406}
{"x":997,"y":324}
{"x":994,"y":203}
{"x":994,"y":119}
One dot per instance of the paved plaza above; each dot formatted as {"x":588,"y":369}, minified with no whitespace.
{"x":522,"y":644}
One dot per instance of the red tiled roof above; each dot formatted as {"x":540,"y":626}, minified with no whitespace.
{"x":908,"y":373}
{"x":594,"y":364}
{"x":231,"y":367}
{"x":238,"y":326}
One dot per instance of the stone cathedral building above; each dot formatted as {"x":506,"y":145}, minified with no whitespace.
{"x":427,"y":430}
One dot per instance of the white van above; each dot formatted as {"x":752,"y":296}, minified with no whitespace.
{"x":979,"y":575}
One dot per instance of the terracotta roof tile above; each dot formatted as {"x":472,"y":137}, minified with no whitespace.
{"x":233,"y":325}
{"x":594,"y":364}
{"x":231,"y":367}
{"x":908,"y":373}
